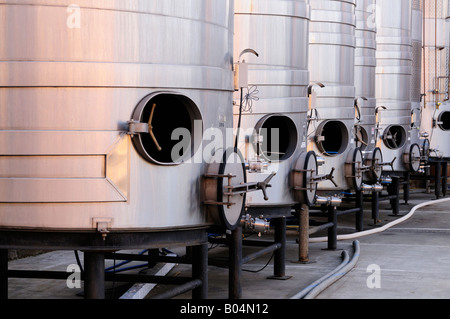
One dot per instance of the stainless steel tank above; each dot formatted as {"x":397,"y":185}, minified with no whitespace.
{"x":393,"y":83}
{"x":91,"y":97}
{"x":416,"y":79}
{"x":436,"y":110}
{"x":271,"y":51}
{"x":332,"y":116}
{"x":365,"y":67}
{"x":419,"y":143}
{"x":365,"y":101}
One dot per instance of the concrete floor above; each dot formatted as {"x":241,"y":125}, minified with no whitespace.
{"x":413,"y":259}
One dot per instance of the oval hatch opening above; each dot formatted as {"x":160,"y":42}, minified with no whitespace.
{"x":332,"y":138}
{"x":394,"y":137}
{"x":444,"y":121}
{"x":277,"y":137}
{"x":173,"y":135}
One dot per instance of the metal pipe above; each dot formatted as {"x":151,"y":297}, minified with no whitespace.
{"x":62,"y":275}
{"x":316,"y":229}
{"x":261,"y":252}
{"x":348,"y":211}
{"x":303,"y":234}
{"x":200,"y":271}
{"x":178,"y":290}
{"x":235,"y":271}
{"x":280,"y":253}
{"x":135,"y":257}
{"x":360,"y":213}
{"x":437,"y":179}
{"x":394,"y":192}
{"x":332,"y":231}
{"x":444,"y":178}
{"x":375,"y":207}
{"x":94,"y":271}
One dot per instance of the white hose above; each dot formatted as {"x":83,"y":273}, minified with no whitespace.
{"x":383,"y":228}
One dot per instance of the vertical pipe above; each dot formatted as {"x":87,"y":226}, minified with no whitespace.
{"x":280,"y":254}
{"x":3,"y":274}
{"x":94,"y":269}
{"x":396,"y":192}
{"x":152,"y":253}
{"x":406,"y":187}
{"x":200,"y":270}
{"x":444,"y":179}
{"x":360,"y":214}
{"x":375,"y":207}
{"x":437,"y":179}
{"x":332,"y":231}
{"x":303,"y":236}
{"x":235,"y":251}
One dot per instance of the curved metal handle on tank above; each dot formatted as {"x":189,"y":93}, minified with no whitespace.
{"x":391,"y":164}
{"x":264,"y":184}
{"x":392,"y":137}
{"x":330,"y":177}
{"x":150,"y":128}
{"x":320,"y":178}
{"x":359,"y":138}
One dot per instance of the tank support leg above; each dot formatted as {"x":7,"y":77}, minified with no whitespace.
{"x":94,"y":269}
{"x":200,"y":270}
{"x":279,"y":271}
{"x":303,"y":236}
{"x":444,"y":178}
{"x":332,"y":231}
{"x":375,"y":207}
{"x":3,"y":274}
{"x":235,"y":252}
{"x":406,"y":187}
{"x":394,"y":191}
{"x":437,"y":179}
{"x":360,"y":214}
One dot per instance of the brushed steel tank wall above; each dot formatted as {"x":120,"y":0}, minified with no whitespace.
{"x":332,"y":62}
{"x":435,"y":73}
{"x":394,"y":72}
{"x":278,"y":79}
{"x":416,"y":79}
{"x":365,"y":67}
{"x":70,"y":79}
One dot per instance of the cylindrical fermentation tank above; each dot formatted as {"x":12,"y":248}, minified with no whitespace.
{"x":273,"y":93}
{"x":365,"y":101}
{"x":393,"y":84}
{"x":365,"y":67}
{"x":332,"y":67}
{"x":436,"y":108}
{"x":91,"y":97}
{"x":416,"y":79}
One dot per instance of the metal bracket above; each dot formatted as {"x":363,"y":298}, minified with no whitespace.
{"x":135,"y":127}
{"x":102,"y":225}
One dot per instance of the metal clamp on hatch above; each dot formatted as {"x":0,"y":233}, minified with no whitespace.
{"x":225,"y":187}
{"x":413,"y":158}
{"x":135,"y":127}
{"x":305,"y":179}
{"x":355,"y":168}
